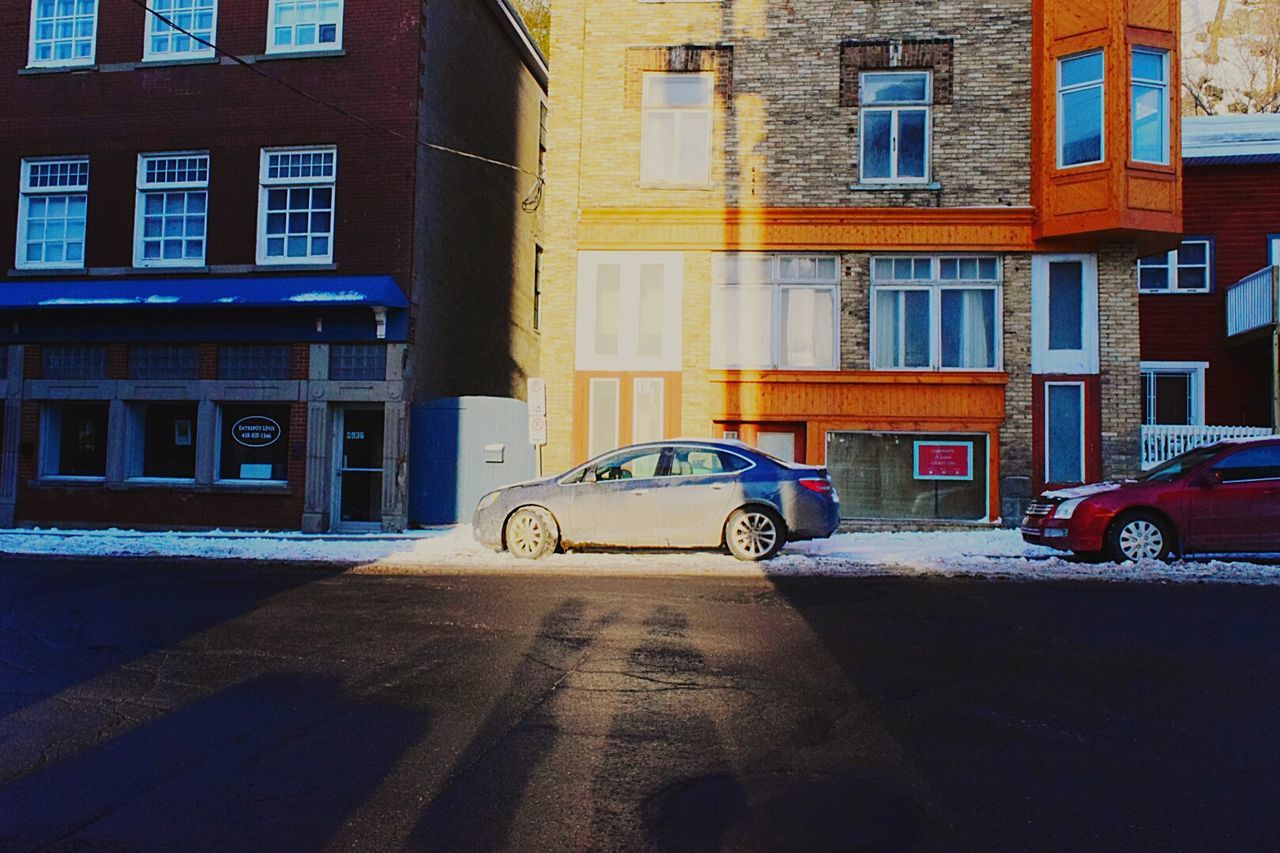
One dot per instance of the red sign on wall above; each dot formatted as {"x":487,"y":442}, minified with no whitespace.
{"x":944,"y":460}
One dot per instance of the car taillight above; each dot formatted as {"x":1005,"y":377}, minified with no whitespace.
{"x":822,"y":487}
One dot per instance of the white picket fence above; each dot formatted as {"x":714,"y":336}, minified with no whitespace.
{"x":1161,"y":442}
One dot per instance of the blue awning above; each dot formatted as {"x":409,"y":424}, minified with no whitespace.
{"x":376,"y":291}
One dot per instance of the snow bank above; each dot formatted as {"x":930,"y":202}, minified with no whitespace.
{"x":972,"y":553}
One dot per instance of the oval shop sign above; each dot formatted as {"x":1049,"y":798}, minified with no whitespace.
{"x":256,"y":431}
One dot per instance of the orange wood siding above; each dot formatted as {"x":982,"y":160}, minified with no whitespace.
{"x":869,"y":401}
{"x":626,"y":414}
{"x":1118,"y":198}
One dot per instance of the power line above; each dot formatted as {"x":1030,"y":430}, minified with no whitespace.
{"x":530,"y":202}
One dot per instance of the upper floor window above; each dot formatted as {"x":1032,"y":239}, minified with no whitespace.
{"x":930,"y":313}
{"x":52,"y":213}
{"x":295,"y":205}
{"x":630,"y":310}
{"x":1080,"y":109}
{"x":172,"y":212}
{"x":676,"y":145}
{"x":775,"y":312}
{"x":894,"y":126}
{"x":1184,"y":270}
{"x":1150,"y":118}
{"x":300,"y":25}
{"x":198,"y":17}
{"x":63,"y":32}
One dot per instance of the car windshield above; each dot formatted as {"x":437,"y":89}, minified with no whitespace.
{"x":1179,"y":465}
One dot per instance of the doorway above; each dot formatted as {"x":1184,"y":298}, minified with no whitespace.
{"x":357,"y":493}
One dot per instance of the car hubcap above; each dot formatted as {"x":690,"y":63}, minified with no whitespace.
{"x":526,"y":535}
{"x":755,"y":534}
{"x":1141,"y":540}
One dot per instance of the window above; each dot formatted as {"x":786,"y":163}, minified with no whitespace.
{"x":1080,"y":102}
{"x":542,"y":139}
{"x":301,"y":25}
{"x":1273,"y":249}
{"x":1173,"y":392}
{"x":1184,"y":270}
{"x":775,"y":311}
{"x":162,"y":362}
{"x":358,"y":361}
{"x":172,"y":210}
{"x":1253,"y":463}
{"x":63,"y":32}
{"x":1064,"y":432}
{"x":603,"y":405}
{"x":1150,"y":105}
{"x":676,"y":148}
{"x":163,"y":441}
{"x":635,"y":464}
{"x":1064,"y":314}
{"x":630,"y":310}
{"x":253,"y":443}
{"x":894,"y":126}
{"x":878,"y":475}
{"x":296,"y":205}
{"x":72,"y":362}
{"x":537,"y":288}
{"x":704,"y":462}
{"x":52,"y":213}
{"x":254,"y":361}
{"x":198,"y":17}
{"x":647,"y":409}
{"x":935,"y":313}
{"x":74,"y":440}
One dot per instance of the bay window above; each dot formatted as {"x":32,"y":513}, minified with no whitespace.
{"x":1080,"y":109}
{"x":172,"y":210}
{"x":676,"y":145}
{"x":775,"y":312}
{"x":1149,"y":118}
{"x":52,"y":213}
{"x":932,"y":313}
{"x":894,"y":126}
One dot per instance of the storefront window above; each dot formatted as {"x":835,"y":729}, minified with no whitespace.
{"x":168,"y":450}
{"x":75,"y":436}
{"x":254,"y":443}
{"x":909,"y":475}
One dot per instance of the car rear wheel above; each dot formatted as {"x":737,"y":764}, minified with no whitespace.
{"x":1139,"y":536}
{"x":753,"y":533}
{"x":531,"y":533}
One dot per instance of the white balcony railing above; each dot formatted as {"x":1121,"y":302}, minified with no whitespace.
{"x":1162,"y":442}
{"x":1252,"y":301}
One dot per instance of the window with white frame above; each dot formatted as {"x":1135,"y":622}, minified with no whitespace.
{"x":935,"y":313}
{"x":52,"y":213}
{"x":63,"y":32}
{"x":73,"y":440}
{"x":167,"y":41}
{"x":676,"y":145}
{"x":296,"y":205}
{"x":1080,"y":104}
{"x":1150,"y":105}
{"x":1064,"y":314}
{"x":301,"y":25}
{"x":775,"y":312}
{"x":1064,"y":432}
{"x":1173,"y":392}
{"x":1184,"y":270}
{"x":172,"y":211}
{"x":630,"y":310}
{"x":894,"y":126}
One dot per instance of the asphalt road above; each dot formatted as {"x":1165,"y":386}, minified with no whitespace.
{"x":239,"y":707}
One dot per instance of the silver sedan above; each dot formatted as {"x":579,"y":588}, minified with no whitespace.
{"x":673,"y":494}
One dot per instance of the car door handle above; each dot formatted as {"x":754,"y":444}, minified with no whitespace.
{"x":717,"y":487}
{"x":639,"y":492}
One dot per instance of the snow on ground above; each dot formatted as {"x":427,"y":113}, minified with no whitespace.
{"x":969,"y":553}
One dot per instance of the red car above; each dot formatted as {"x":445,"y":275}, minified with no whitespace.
{"x":1224,"y":497}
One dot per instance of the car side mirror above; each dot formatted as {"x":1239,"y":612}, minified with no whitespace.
{"x":1211,"y":479}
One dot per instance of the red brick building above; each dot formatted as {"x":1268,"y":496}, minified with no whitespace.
{"x":1208,"y":309}
{"x":233,"y":271}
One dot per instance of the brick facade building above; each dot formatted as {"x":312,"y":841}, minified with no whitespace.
{"x":225,"y":296}
{"x":853,"y":235}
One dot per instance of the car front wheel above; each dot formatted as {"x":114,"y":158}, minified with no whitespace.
{"x":531,"y":533}
{"x":1139,"y":536}
{"x":754,"y":534}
